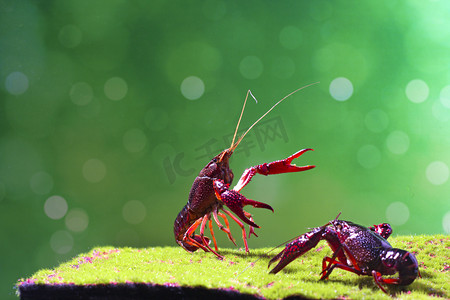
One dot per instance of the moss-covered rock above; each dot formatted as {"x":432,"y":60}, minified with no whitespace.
{"x":107,"y":272}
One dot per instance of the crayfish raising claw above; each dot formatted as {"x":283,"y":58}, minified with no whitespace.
{"x":357,"y":249}
{"x":211,"y":193}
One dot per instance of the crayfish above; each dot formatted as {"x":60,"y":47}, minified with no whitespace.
{"x":210,"y":194}
{"x":357,"y":249}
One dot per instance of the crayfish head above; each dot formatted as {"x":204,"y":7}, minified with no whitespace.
{"x":219,"y":167}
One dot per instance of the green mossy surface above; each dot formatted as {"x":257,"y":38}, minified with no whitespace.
{"x":239,"y":271}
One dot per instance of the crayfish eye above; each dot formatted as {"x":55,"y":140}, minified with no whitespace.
{"x":338,"y":226}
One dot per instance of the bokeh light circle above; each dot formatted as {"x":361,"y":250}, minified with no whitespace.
{"x":369,"y":156}
{"x":341,"y":89}
{"x":94,"y":170}
{"x":116,"y":88}
{"x":41,"y":183}
{"x":444,"y":96}
{"x":291,"y":37}
{"x":16,"y":83}
{"x":55,"y":207}
{"x":397,"y":213}
{"x":397,"y":142}
{"x":77,"y":220}
{"x":437,"y":172}
{"x":81,"y":93}
{"x":446,"y":222}
{"x":70,"y":36}
{"x":376,"y":120}
{"x":61,"y":242}
{"x":417,"y":91}
{"x":134,"y":140}
{"x":134,"y":212}
{"x":251,"y":67}
{"x":192,"y":88}
{"x":440,"y":112}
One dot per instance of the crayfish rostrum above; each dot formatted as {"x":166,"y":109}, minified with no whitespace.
{"x":358,"y":249}
{"x":210,"y":194}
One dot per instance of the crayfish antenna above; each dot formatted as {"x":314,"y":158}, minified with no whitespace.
{"x":337,"y":217}
{"x":239,"y":122}
{"x":234,"y":146}
{"x":240,"y":117}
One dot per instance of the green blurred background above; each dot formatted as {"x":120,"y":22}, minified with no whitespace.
{"x":110,"y":108}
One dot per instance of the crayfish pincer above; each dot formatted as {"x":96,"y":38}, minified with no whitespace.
{"x":358,"y":249}
{"x":211,"y":193}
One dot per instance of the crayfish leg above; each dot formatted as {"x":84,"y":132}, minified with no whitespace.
{"x":212,"y":235}
{"x":379,"y":279}
{"x":333,"y":263}
{"x":251,"y":229}
{"x":205,"y":219}
{"x":244,"y":234}
{"x":193,"y":242}
{"x":221,"y":227}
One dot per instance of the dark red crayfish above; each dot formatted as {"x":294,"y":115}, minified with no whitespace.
{"x":210,"y":194}
{"x":358,"y":249}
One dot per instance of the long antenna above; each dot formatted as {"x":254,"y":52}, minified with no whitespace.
{"x":233,"y":146}
{"x":240,"y":117}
